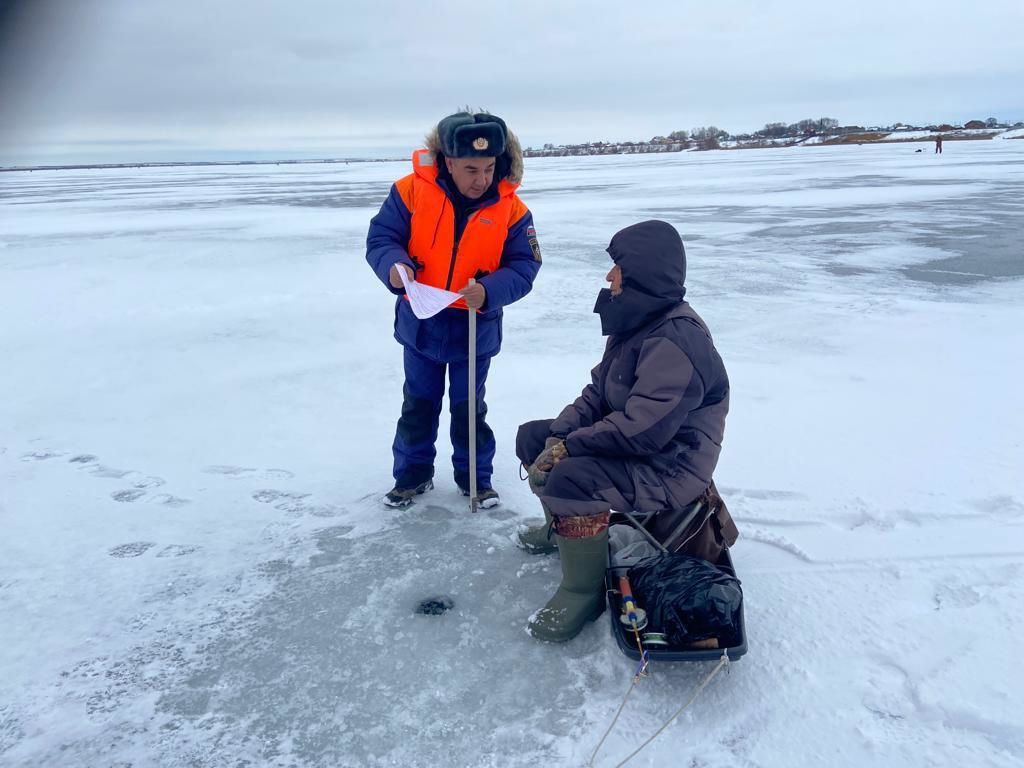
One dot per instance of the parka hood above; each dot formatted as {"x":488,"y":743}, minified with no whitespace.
{"x":653,"y":264}
{"x":652,"y":259}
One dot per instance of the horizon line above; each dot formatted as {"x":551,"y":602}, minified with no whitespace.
{"x":185,"y":163}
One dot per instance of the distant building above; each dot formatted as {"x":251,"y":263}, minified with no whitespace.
{"x":974,"y":124}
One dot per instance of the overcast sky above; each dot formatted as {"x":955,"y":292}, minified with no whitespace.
{"x":154,"y":79}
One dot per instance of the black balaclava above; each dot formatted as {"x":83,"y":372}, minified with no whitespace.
{"x":653,"y":264}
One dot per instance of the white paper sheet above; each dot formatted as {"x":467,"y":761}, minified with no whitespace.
{"x":426,"y":300}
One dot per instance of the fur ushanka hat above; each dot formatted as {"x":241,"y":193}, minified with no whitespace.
{"x":472,"y":135}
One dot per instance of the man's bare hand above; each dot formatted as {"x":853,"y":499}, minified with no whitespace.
{"x":396,"y":279}
{"x":475,"y":295}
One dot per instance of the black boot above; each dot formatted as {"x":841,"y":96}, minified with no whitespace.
{"x":399,"y":498}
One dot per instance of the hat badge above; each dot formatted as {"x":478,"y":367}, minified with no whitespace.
{"x":480,"y":144}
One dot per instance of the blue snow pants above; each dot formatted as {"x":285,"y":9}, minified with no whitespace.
{"x":417,"y":427}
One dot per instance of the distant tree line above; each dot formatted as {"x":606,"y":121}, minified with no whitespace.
{"x":711,"y":137}
{"x":806,"y":127}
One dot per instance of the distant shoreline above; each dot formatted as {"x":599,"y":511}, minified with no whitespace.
{"x":582,"y":150}
{"x":660,"y":145}
{"x":194,"y":163}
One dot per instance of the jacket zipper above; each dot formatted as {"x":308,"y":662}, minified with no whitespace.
{"x":451,"y":266}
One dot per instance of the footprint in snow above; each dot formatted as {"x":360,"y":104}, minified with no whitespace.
{"x":40,"y":455}
{"x":294,"y":504}
{"x":169,"y":500}
{"x":268,"y":495}
{"x":141,"y":486}
{"x":128,"y":495}
{"x":140,"y":483}
{"x":297,"y":508}
{"x":177,"y":550}
{"x":134,"y":549}
{"x":230,"y":470}
{"x":434,"y":513}
{"x":89,"y":463}
{"x":949,"y":596}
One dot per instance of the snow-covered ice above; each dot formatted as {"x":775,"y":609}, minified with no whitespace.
{"x":198,"y":395}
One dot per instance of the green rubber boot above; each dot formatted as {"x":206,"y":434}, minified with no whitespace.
{"x":539,"y":539}
{"x":580,"y":597}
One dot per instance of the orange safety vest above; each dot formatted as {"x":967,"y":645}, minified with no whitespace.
{"x":432,"y":238}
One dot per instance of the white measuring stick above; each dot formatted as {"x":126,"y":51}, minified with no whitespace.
{"x":472,"y":406}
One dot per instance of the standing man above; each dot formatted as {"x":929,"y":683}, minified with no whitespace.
{"x":456,"y":217}
{"x":938,"y":144}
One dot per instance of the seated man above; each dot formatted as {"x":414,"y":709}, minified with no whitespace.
{"x":643,"y":437}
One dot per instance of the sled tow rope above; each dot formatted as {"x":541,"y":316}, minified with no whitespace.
{"x":723,"y":662}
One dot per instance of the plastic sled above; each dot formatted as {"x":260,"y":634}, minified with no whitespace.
{"x":735,"y":646}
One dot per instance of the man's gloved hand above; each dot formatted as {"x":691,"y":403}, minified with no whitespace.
{"x":554,"y":451}
{"x":538,"y":478}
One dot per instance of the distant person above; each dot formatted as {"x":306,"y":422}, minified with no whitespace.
{"x":644,"y":436}
{"x":455,"y":217}
{"x":938,"y":145}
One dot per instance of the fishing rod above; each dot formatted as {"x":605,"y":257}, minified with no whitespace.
{"x":636,"y":618}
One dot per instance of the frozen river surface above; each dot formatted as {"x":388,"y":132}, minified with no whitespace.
{"x":197,"y":403}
